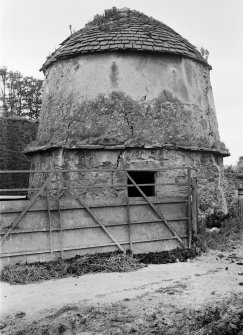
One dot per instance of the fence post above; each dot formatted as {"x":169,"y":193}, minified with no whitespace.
{"x":49,"y":217}
{"x":128,"y":216}
{"x":59,"y":213}
{"x":189,"y":207}
{"x":194,"y":207}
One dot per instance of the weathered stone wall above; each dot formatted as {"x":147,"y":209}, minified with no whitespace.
{"x":15,"y":134}
{"x":233,"y":179}
{"x":128,"y":99}
{"x":205,"y":166}
{"x":230,"y":191}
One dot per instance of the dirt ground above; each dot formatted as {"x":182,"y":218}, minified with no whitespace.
{"x":176,"y":298}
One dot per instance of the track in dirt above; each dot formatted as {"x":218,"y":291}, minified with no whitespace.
{"x":203,"y":296}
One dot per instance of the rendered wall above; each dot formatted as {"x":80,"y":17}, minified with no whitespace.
{"x":130,"y":99}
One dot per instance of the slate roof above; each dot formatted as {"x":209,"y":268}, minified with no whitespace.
{"x":124,"y":30}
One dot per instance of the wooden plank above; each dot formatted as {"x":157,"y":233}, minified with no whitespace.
{"x":93,"y":216}
{"x":92,"y":187}
{"x":49,"y":217}
{"x":194,"y":207}
{"x":22,"y":231}
{"x":189,"y":208}
{"x":79,"y":247}
{"x":160,"y":215}
{"x":114,"y":215}
{"x":59,"y":214}
{"x":145,"y":212}
{"x":22,"y":214}
{"x":129,"y":221}
{"x":66,"y":204}
{"x":18,"y":189}
{"x":157,"y":230}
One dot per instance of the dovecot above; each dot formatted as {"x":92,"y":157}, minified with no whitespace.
{"x":127,"y":91}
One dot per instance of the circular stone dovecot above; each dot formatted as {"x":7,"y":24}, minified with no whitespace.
{"x":127,"y":90}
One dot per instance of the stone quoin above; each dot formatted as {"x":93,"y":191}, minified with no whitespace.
{"x":127,"y":90}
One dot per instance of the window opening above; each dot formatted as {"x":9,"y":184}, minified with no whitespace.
{"x":141,"y":177}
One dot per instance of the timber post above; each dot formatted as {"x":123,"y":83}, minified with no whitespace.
{"x":194,"y":206}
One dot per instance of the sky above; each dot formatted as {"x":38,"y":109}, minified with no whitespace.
{"x":31,"y":29}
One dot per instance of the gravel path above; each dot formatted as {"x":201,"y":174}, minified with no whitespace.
{"x":211,"y":277}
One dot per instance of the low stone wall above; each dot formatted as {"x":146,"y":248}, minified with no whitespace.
{"x":230,"y":184}
{"x":15,"y":134}
{"x":207,"y":167}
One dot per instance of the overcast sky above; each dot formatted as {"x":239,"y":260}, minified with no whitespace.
{"x":31,"y":29}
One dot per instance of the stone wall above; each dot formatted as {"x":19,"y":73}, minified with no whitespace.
{"x":232,"y":180}
{"x":208,"y":169}
{"x":15,"y":134}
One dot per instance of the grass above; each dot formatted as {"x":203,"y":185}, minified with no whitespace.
{"x":221,"y":317}
{"x":86,"y":264}
{"x":228,"y":235}
{"x":77,"y":266}
{"x":169,"y":256}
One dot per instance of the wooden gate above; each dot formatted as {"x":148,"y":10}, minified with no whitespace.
{"x":63,"y":218}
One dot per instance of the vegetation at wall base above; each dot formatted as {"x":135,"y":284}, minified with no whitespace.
{"x":86,"y":264}
{"x":225,"y":238}
{"x":217,"y":219}
{"x":169,"y":256}
{"x":76,"y":266}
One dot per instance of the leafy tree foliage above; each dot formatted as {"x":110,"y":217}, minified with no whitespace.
{"x":204,"y":52}
{"x":239,"y":166}
{"x":20,"y":95}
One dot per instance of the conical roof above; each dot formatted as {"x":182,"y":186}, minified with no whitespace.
{"x":124,"y":30}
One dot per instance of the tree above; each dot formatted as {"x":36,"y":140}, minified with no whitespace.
{"x":20,"y":95}
{"x":239,"y":166}
{"x":204,"y":52}
{"x":32,"y":91}
{"x":3,"y":74}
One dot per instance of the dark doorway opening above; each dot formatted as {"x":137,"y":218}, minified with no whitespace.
{"x":141,"y":177}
